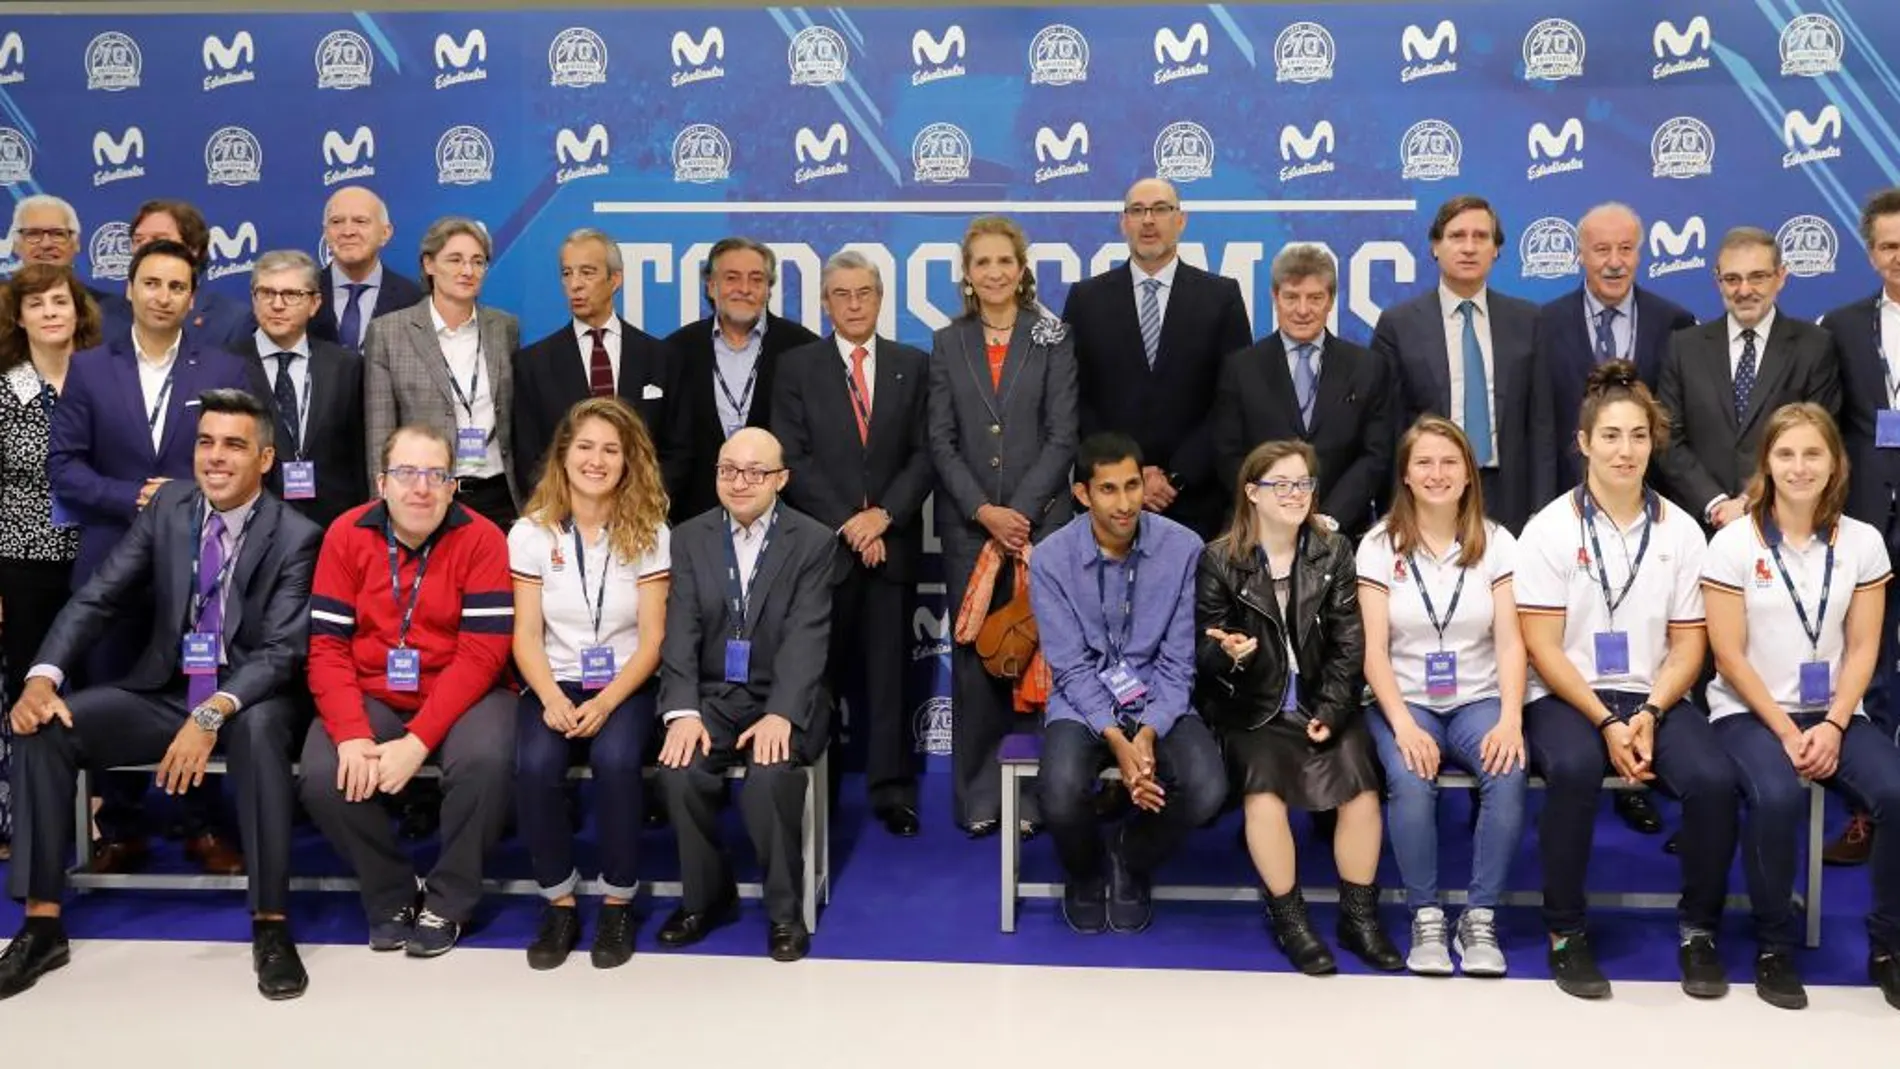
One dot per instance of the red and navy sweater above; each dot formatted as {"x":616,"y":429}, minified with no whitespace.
{"x":463,"y":625}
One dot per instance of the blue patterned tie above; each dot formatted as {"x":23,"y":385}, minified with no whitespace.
{"x":349,"y":329}
{"x":1606,"y":336}
{"x":1305,"y":378}
{"x":1151,"y":318}
{"x":1745,"y":375}
{"x":284,"y":393}
{"x":1477,"y":388}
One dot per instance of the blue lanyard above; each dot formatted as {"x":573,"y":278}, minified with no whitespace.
{"x":164,"y":392}
{"x":467,"y":400}
{"x":858,"y":400}
{"x":1425,"y":595}
{"x":739,"y":595}
{"x":408,"y":607}
{"x":1811,"y":629}
{"x":1881,"y":304}
{"x":741,"y":405}
{"x":1118,"y":646}
{"x":1587,"y":507}
{"x":599,"y":605}
{"x":200,"y":600}
{"x":1629,"y":351}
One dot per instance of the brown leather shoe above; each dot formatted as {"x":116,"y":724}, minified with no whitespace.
{"x":215,"y":856}
{"x":118,"y":856}
{"x":1855,"y":845}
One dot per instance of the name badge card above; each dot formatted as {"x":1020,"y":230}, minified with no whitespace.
{"x":1123,"y":683}
{"x":62,"y":517}
{"x":1441,"y":674}
{"x":738,"y":660}
{"x":471,"y":444}
{"x":1613,"y":653}
{"x":1887,"y":428}
{"x":1817,"y":689}
{"x":404,"y":668}
{"x":199,"y":656}
{"x":300,"y":480}
{"x":1291,"y":699}
{"x":597,"y":667}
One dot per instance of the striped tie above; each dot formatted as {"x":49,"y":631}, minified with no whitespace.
{"x":1151,"y":318}
{"x":1745,"y":375}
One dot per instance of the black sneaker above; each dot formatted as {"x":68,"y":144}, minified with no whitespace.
{"x":560,"y":930}
{"x":1573,"y":965}
{"x":613,"y":936}
{"x":1130,"y":901}
{"x":1702,"y":973}
{"x":433,"y":936}
{"x":1085,"y":906}
{"x":1883,"y":968}
{"x":1777,"y":982}
{"x":393,"y":931}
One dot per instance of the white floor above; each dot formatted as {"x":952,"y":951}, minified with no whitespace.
{"x":192,"y":1004}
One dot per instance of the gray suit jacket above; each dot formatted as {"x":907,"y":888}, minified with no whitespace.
{"x":1010,"y":445}
{"x":788,"y":620}
{"x":266,"y":610}
{"x":406,"y":379}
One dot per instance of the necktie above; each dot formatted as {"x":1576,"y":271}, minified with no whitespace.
{"x":285,"y":394}
{"x":349,"y":329}
{"x":1477,"y":388}
{"x":1151,"y":319}
{"x":1305,"y":378}
{"x":1745,"y":375}
{"x":861,"y":394}
{"x":211,"y":619}
{"x":1606,"y":337}
{"x":600,"y":370}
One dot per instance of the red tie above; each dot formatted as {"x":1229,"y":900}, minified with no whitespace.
{"x":861,"y":394}
{"x":600,"y":371}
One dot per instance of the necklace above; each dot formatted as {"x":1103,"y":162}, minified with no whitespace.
{"x":998,"y":334}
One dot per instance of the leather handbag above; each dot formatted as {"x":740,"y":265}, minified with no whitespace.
{"x":1005,"y":640}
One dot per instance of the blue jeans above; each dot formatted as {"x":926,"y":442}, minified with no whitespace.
{"x":1869,"y":774}
{"x":614,"y":755}
{"x":1413,"y":802}
{"x":1188,"y":764}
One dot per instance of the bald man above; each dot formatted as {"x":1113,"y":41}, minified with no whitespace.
{"x":1149,"y":339}
{"x":356,"y":286}
{"x":742,"y":672}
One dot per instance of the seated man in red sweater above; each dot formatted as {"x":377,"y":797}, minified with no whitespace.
{"x":411,"y":616}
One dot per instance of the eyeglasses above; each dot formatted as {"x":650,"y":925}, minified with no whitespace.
{"x":455,"y":261}
{"x":1161,"y":212}
{"x":433,"y":478}
{"x":1288,"y":487}
{"x":271,"y":296}
{"x":1755,"y":279}
{"x":45,"y":235}
{"x":728,"y":473}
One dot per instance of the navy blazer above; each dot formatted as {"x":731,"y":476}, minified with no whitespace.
{"x":1864,"y":392}
{"x":396,"y":294}
{"x":1567,"y":349}
{"x":99,"y":451}
{"x":217,"y":321}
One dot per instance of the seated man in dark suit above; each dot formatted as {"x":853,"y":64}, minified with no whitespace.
{"x":217,"y":321}
{"x":598,"y":354}
{"x":850,"y":412}
{"x":229,"y":567}
{"x":1303,"y":381}
{"x":742,"y":672}
{"x":357,"y":286}
{"x":1722,"y":380}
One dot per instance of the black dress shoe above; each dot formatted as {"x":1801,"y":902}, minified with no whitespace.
{"x":280,"y":972}
{"x":613,"y":936}
{"x":39,"y":948}
{"x":1702,"y":973}
{"x":981,"y":829}
{"x":1638,"y":812}
{"x":1882,"y":968}
{"x":559,"y":932}
{"x":1777,"y":982}
{"x":685,"y":928}
{"x":788,"y":942}
{"x":899,"y":820}
{"x":1573,"y":965}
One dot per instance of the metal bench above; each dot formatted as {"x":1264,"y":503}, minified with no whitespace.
{"x":1021,"y":757}
{"x":817,"y":851}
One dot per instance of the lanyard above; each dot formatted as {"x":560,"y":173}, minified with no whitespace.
{"x":1425,"y":595}
{"x":201,"y":599}
{"x":1629,"y":351}
{"x":408,"y":608}
{"x":1813,"y":630}
{"x":1587,"y":507}
{"x":738,"y":595}
{"x":1118,"y":646}
{"x":742,"y":404}
{"x":599,"y":605}
{"x":858,"y":401}
{"x":467,"y":400}
{"x":1881,"y":304}
{"x":164,"y":392}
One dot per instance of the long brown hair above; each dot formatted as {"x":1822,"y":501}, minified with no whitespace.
{"x":35,"y":279}
{"x":1401,"y":523}
{"x":1761,"y":488}
{"x":639,"y":501}
{"x":1005,"y":227}
{"x":1241,"y":540}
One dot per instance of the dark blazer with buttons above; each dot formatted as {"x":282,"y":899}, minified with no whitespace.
{"x":1875,"y":481}
{"x":834,"y":474}
{"x":406,"y":379}
{"x":1352,"y":430}
{"x":333,"y":437}
{"x":397,"y":293}
{"x":1711,"y":452}
{"x":1566,"y":348}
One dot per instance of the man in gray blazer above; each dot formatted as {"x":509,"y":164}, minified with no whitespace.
{"x":448,"y":363}
{"x":1722,"y":380}
{"x":1464,"y":351}
{"x":229,"y":568}
{"x":742,"y":671}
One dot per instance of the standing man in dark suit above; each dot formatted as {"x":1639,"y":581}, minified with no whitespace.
{"x":1867,"y":336}
{"x":217,"y":321}
{"x":229,"y":567}
{"x":742,"y":681}
{"x":849,"y":410}
{"x":315,"y":390}
{"x":729,"y":360}
{"x":598,"y":354}
{"x":1464,"y":351}
{"x":1149,"y":338}
{"x":1721,"y":380}
{"x":1303,"y":381}
{"x":357,"y":287}
{"x":1607,"y":318}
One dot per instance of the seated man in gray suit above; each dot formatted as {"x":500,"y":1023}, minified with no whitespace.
{"x":228,"y":567}
{"x":742,"y":673}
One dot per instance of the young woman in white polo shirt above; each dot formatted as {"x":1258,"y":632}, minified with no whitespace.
{"x":1609,"y":594}
{"x":1445,"y":661}
{"x":590,"y":561}
{"x":1795,"y":599}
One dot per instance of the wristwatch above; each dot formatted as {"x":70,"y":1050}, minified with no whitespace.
{"x":1656,"y":713}
{"x":207,"y":718}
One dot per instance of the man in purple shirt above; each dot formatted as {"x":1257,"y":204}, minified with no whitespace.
{"x":1113,"y":594}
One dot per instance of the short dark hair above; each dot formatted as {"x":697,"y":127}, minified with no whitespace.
{"x":1102,"y":449}
{"x":426,"y":431}
{"x":231,"y":402}
{"x":1885,"y":202}
{"x":1457,"y":206}
{"x":191,"y":224}
{"x":164,"y":247}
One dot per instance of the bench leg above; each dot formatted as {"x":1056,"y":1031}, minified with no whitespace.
{"x":82,"y":822}
{"x":813,"y":791}
{"x":1011,"y":845}
{"x":824,"y":829}
{"x":1817,"y":811}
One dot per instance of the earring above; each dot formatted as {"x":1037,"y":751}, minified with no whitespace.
{"x":968,"y":289}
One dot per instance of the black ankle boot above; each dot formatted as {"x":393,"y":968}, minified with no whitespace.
{"x":1298,"y":941}
{"x":1360,"y":930}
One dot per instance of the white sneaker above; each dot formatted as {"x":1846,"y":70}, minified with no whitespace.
{"x":1477,"y":944}
{"x":1429,"y":956}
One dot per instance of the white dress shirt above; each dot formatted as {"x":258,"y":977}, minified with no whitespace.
{"x":267,"y":351}
{"x":747,"y":541}
{"x":1165,"y":276}
{"x":462,"y":349}
{"x":1455,"y":356}
{"x":1761,"y":330}
{"x":611,"y":339}
{"x":153,"y":373}
{"x":1888,"y":312}
{"x":870,"y":367}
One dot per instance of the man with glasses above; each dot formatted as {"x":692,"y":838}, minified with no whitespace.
{"x":742,"y":672}
{"x":315,"y":389}
{"x":1149,"y":338}
{"x":1722,"y":380}
{"x":357,"y":286}
{"x":46,"y":230}
{"x":411,"y":621}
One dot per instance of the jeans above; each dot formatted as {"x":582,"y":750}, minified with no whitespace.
{"x":1882,"y":702}
{"x":614,"y":755}
{"x":1188,"y":764}
{"x":1413,"y":802}
{"x":1869,"y":774}
{"x":1690,"y":767}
